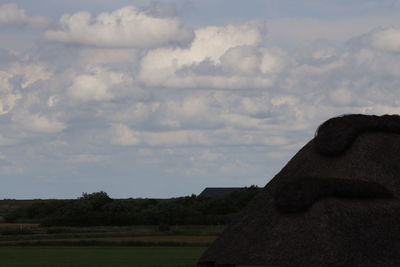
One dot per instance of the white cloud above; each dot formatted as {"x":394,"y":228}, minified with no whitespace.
{"x":136,"y":113}
{"x":93,"y":100}
{"x":125,"y":27}
{"x":273,"y":155}
{"x":86,"y":158}
{"x":19,"y":75}
{"x":7,"y":102}
{"x":11,"y":169}
{"x":297,"y":31}
{"x":208,"y":155}
{"x":11,"y":14}
{"x":122,"y":135}
{"x":243,"y":121}
{"x":381,"y":109}
{"x":52,"y":101}
{"x":38,"y":123}
{"x":106,"y":55}
{"x":6,"y":85}
{"x":219,"y":57}
{"x":386,"y":40}
{"x":284,"y":100}
{"x":8,"y":95}
{"x":259,"y":106}
{"x":30,"y":72}
{"x":97,"y":85}
{"x":341,"y":96}
{"x":5,"y":141}
{"x":175,"y":138}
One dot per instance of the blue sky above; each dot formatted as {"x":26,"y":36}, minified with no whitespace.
{"x":162,"y":99}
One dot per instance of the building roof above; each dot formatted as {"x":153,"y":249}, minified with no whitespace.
{"x":346,"y":226}
{"x":219,"y":191}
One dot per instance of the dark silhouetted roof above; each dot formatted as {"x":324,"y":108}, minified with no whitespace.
{"x":301,"y":193}
{"x":349,"y":226}
{"x":336,"y":135}
{"x":219,"y":191}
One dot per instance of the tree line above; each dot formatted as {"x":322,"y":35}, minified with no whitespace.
{"x":99,"y":209}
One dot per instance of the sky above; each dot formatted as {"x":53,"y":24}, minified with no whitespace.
{"x":164,"y":98}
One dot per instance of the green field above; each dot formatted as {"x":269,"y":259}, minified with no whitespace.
{"x":137,"y":245}
{"x":145,"y":235}
{"x":100,"y":256}
{"x":31,"y":245}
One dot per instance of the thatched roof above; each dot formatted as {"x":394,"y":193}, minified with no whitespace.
{"x":337,"y":134}
{"x":349,"y":212}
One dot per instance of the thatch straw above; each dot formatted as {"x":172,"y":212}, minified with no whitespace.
{"x":336,"y":135}
{"x":334,"y":231}
{"x":300,"y":194}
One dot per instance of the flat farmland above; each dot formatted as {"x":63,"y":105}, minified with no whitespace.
{"x":32,"y":245}
{"x":19,"y":234}
{"x":139,"y":240}
{"x":62,"y":256}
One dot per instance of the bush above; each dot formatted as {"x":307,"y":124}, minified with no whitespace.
{"x":98,"y":209}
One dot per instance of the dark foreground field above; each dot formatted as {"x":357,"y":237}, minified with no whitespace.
{"x":132,"y":232}
{"x":99,"y":256}
{"x":146,"y":245}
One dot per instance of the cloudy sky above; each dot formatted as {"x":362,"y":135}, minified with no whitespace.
{"x":162,"y":99}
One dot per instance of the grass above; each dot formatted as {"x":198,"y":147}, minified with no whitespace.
{"x":104,"y":246}
{"x":100,"y":256}
{"x":115,"y":241}
{"x":146,"y":233}
{"x":135,"y":229}
{"x":108,"y":236}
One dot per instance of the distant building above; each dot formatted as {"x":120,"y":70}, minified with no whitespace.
{"x":219,"y":191}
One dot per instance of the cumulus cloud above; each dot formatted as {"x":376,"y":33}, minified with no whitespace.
{"x":386,"y":39}
{"x":341,"y":96}
{"x":132,"y":96}
{"x":125,"y":27}
{"x":123,"y":135}
{"x":6,"y":141}
{"x":97,"y":84}
{"x":219,"y":57}
{"x":19,"y":75}
{"x":297,"y":31}
{"x":22,"y":101}
{"x":278,"y":155}
{"x":11,"y":14}
{"x":38,"y":123}
{"x":8,"y":102}
{"x":30,"y":72}
{"x":106,"y":55}
{"x":246,"y":133}
{"x":9,"y":96}
{"x":199,"y":111}
{"x":86,"y":158}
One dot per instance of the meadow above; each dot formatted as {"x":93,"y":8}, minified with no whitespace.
{"x":95,"y":230}
{"x":145,"y":245}
{"x":139,"y":235}
{"x":115,"y":256}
